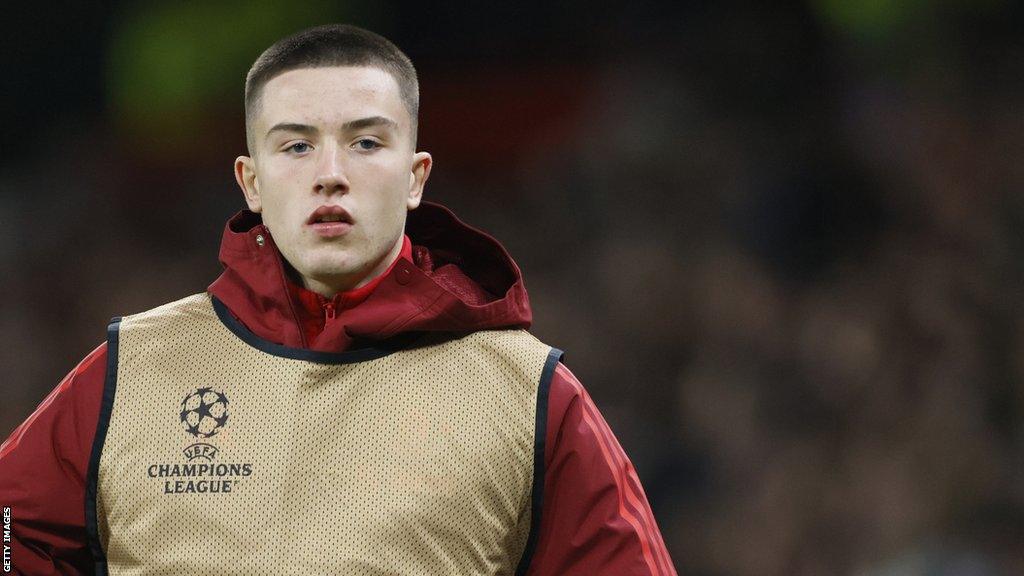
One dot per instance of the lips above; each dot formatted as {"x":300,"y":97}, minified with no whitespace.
{"x":330,"y":221}
{"x":329,"y":214}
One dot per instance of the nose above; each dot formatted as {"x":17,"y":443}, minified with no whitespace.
{"x":330,"y":172}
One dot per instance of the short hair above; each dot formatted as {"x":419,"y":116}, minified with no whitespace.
{"x":326,"y":46}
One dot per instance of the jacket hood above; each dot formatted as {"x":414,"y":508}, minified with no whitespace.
{"x":460,"y":279}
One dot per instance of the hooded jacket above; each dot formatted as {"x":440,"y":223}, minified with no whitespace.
{"x":449,"y":277}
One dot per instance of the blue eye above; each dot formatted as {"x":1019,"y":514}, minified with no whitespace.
{"x":374,"y":144}
{"x":299,"y":147}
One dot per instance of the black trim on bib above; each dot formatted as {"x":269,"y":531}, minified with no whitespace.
{"x":91,"y":484}
{"x":543,"y":390}
{"x":348,"y":357}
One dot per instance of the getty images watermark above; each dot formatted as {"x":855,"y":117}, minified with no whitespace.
{"x":7,"y":540}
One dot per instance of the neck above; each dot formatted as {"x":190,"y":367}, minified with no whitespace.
{"x":328,"y":287}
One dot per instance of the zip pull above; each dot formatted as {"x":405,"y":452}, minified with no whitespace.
{"x":328,"y":311}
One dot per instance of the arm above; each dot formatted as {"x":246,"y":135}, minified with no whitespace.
{"x":43,"y":467}
{"x":595,"y":518}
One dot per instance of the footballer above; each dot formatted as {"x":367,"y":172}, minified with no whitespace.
{"x":356,"y":393}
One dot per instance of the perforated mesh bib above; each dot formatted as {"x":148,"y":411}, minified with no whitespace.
{"x":221,"y":456}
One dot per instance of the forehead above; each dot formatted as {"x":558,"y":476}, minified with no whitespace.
{"x":331,"y":95}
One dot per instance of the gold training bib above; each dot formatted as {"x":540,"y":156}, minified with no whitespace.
{"x":220,"y":453}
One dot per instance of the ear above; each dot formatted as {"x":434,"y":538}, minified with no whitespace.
{"x":245,"y":175}
{"x":421,"y":164}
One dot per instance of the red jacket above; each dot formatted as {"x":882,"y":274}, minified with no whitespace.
{"x":594,"y":518}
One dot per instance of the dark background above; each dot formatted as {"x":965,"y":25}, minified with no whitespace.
{"x":779,"y":242}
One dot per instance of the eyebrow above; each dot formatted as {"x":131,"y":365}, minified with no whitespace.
{"x":350,"y":125}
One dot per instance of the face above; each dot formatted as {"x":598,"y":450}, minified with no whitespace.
{"x":333,"y":143}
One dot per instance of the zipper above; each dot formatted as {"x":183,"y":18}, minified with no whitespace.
{"x":328,"y":311}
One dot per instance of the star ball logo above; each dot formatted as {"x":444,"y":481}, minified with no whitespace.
{"x":204,"y":412}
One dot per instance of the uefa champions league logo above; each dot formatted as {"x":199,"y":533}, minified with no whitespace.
{"x":203,"y":414}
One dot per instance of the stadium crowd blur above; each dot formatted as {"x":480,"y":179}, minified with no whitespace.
{"x":781,"y":243}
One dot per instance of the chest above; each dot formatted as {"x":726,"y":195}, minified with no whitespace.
{"x":414,"y":463}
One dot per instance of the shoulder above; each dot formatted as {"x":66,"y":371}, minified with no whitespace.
{"x":518,"y":347}
{"x":507,"y":339}
{"x":196,"y":306}
{"x":507,"y":343}
{"x":65,"y":420}
{"x":200,"y":303}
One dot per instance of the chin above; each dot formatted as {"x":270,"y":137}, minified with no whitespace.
{"x":330,"y":270}
{"x":335,"y":267}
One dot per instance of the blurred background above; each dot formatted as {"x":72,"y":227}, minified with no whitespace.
{"x":780,"y":243}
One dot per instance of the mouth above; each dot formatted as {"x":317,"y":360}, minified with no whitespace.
{"x":330,"y":221}
{"x":327,"y":213}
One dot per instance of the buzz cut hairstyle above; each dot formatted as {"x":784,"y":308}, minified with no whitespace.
{"x":328,"y":46}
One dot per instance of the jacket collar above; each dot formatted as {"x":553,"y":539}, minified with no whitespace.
{"x":460,"y":279}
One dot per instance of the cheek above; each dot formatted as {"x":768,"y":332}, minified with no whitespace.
{"x":280,"y":173}
{"x":277,"y":184}
{"x":394,"y":184}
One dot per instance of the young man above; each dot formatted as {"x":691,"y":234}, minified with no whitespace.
{"x":355,"y":394}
